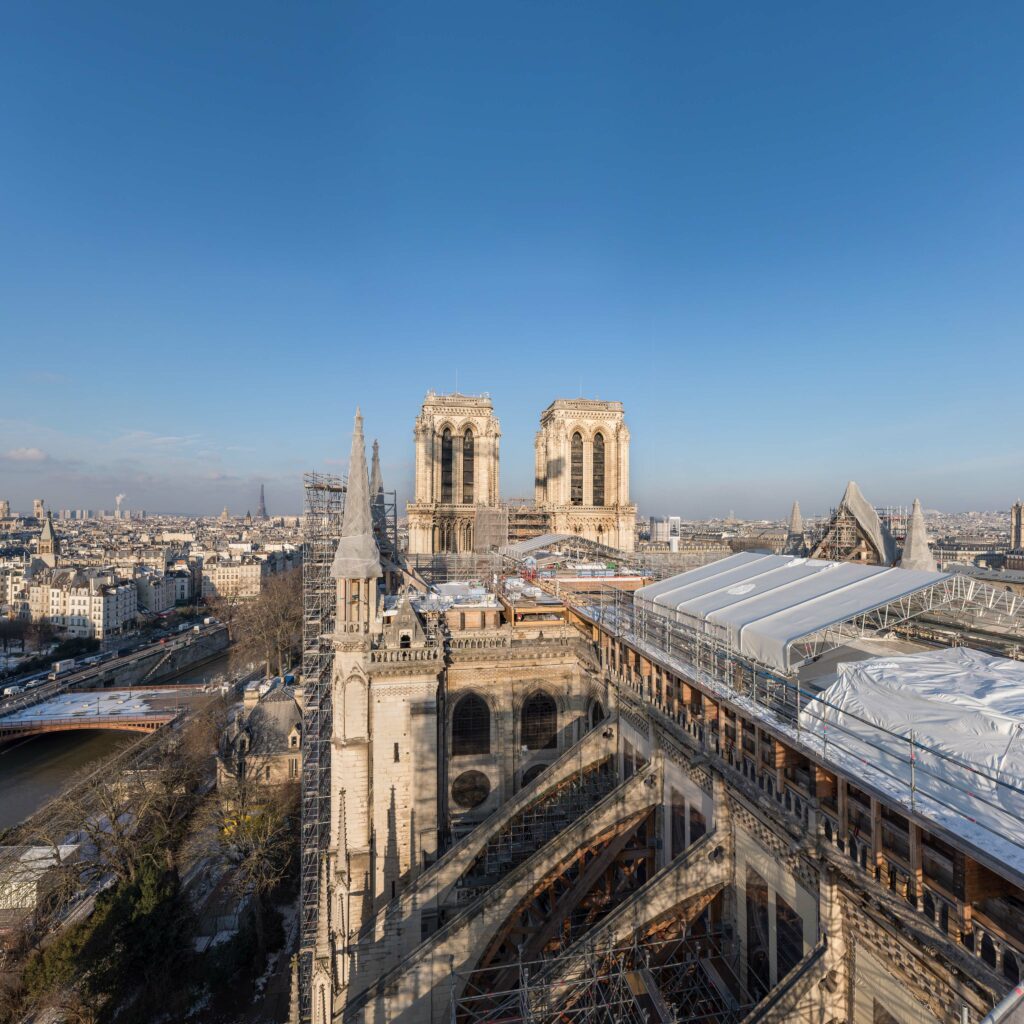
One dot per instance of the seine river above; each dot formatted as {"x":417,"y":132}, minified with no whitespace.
{"x":35,"y":770}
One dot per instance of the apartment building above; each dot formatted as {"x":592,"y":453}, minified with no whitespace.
{"x":84,"y":606}
{"x":156,"y":592}
{"x":231,"y":579}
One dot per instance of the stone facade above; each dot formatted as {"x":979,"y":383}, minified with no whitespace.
{"x":582,"y":471}
{"x":457,"y":440}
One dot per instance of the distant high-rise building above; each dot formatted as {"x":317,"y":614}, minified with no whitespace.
{"x":1017,"y":526}
{"x":225,"y":515}
{"x":5,"y":509}
{"x":261,"y":509}
{"x":38,"y":508}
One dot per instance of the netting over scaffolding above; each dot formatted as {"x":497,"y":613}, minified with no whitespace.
{"x":384,"y":509}
{"x":451,"y":568}
{"x":324,"y":507}
{"x":491,"y":529}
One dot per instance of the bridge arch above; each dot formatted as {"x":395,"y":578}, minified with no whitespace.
{"x":25,"y":730}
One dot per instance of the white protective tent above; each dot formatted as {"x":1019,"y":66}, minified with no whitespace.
{"x":966,"y":711}
{"x":764,"y":603}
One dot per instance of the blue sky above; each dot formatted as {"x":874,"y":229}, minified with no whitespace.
{"x":787,"y":236}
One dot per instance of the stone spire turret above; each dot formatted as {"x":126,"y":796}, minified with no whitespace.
{"x":796,"y":521}
{"x":376,"y":480}
{"x":357,"y":557}
{"x":795,"y":543}
{"x":916,"y":553}
{"x":377,"y":498}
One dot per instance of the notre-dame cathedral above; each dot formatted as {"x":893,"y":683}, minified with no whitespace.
{"x":582,"y":473}
{"x":642,"y":800}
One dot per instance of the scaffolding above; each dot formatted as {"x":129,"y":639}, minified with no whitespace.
{"x":647,"y":564}
{"x":491,"y":531}
{"x":705,"y":654}
{"x":696,"y":978}
{"x":840,"y":536}
{"x":528,"y":831}
{"x":384,"y":509}
{"x":525,"y":520}
{"x":324,"y":508}
{"x":894,"y":518}
{"x":452,"y":568}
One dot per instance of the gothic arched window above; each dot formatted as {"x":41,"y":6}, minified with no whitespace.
{"x":471,"y":726}
{"x":539,"y":724}
{"x":576,"y":470}
{"x":467,"y":467}
{"x":446,"y":467}
{"x":598,"y":469}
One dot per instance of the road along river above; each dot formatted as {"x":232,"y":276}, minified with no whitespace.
{"x":36,"y":769}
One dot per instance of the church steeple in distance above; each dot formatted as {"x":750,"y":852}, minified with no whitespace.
{"x":49,"y":545}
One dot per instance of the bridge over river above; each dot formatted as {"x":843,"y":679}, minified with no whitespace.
{"x":139,"y":709}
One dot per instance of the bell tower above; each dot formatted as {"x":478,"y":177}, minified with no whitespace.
{"x":49,"y":543}
{"x":456,"y":472}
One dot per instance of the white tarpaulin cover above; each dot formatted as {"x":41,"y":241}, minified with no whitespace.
{"x":961,"y":703}
{"x":765,"y":602}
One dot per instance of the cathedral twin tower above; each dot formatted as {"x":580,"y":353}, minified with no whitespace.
{"x":581,"y":485}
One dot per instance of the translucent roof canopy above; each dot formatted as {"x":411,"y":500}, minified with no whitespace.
{"x":766,"y":602}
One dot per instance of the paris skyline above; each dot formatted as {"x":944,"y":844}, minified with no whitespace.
{"x":787,"y":242}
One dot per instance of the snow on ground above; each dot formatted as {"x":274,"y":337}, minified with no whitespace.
{"x":96,"y":704}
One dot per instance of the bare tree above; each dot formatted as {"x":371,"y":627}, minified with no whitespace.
{"x":40,"y":633}
{"x":13,"y":631}
{"x":123,"y":815}
{"x":253,"y":828}
{"x":269,"y":626}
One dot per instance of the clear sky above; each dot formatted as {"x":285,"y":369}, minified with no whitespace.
{"x":788,"y":236}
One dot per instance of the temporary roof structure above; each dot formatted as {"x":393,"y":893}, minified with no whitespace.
{"x":959,"y":711}
{"x":524,"y":547}
{"x":761,"y":604}
{"x":869,"y":536}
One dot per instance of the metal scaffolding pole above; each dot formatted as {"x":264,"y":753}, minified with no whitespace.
{"x":325,"y":504}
